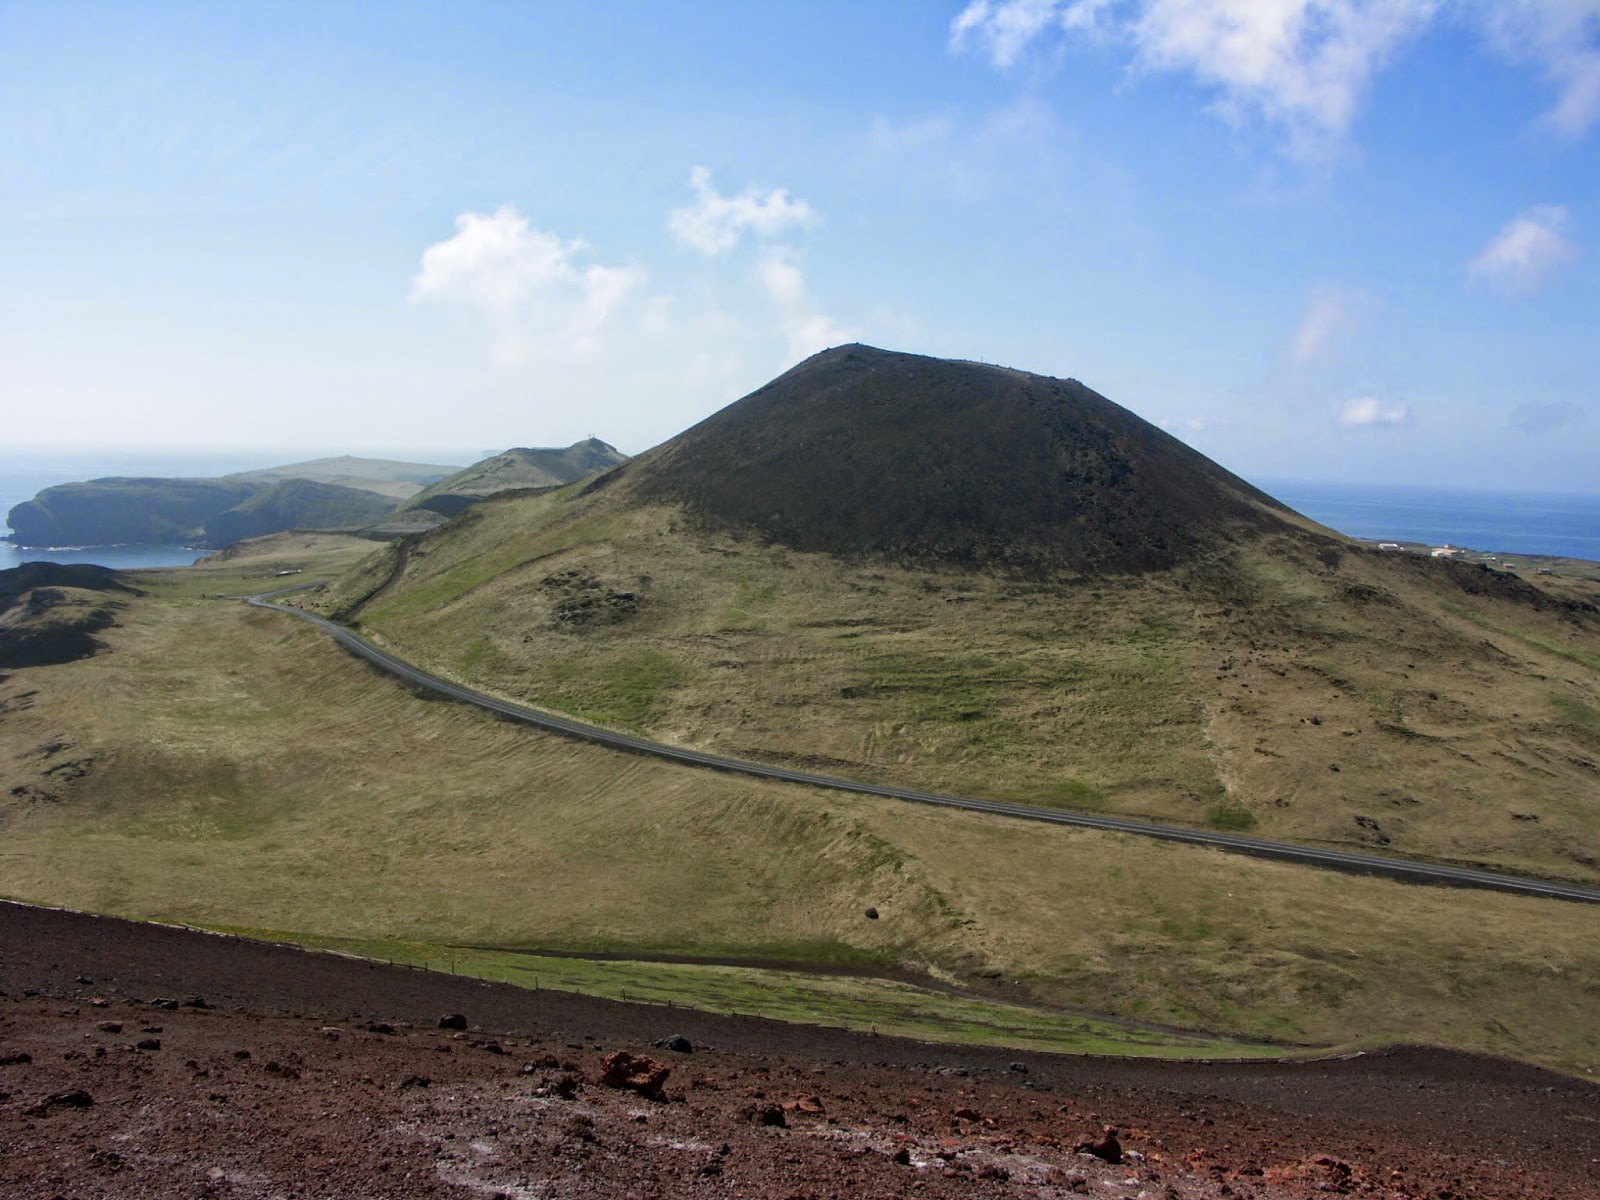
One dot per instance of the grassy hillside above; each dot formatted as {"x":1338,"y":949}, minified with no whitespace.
{"x":1335,"y":696}
{"x":50,"y":612}
{"x":230,"y":767}
{"x":381,"y":476}
{"x":519,"y":467}
{"x":112,"y":511}
{"x":323,"y":493}
{"x":943,"y":575}
{"x":297,"y":504}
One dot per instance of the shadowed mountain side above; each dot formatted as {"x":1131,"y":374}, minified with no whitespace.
{"x":297,"y":503}
{"x":116,"y":510}
{"x":18,"y":581}
{"x":859,"y":451}
{"x":332,"y":493}
{"x":519,"y":467}
{"x":49,"y":612}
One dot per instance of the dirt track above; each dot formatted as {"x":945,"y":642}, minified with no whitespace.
{"x":312,"y":1075}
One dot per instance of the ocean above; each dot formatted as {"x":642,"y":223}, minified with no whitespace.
{"x":22,"y":476}
{"x":1499,"y":522}
{"x":1560,"y":525}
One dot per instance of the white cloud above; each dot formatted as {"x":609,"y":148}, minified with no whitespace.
{"x":589,"y":347}
{"x":806,"y":327}
{"x":1530,"y":248}
{"x":1333,"y":315}
{"x":714,"y":222}
{"x":1003,"y":31}
{"x":1534,"y":418}
{"x":528,"y":284}
{"x":1301,"y":65}
{"x":1561,"y":38}
{"x":783,"y":280}
{"x":1363,"y":412}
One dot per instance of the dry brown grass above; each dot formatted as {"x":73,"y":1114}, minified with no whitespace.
{"x":1361,"y":700}
{"x":235,"y":769}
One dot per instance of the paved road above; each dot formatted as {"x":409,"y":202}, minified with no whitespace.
{"x":1335,"y":860}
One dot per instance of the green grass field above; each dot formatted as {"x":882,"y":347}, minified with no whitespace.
{"x":866,"y":1003}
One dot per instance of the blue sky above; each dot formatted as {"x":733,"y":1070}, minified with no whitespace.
{"x":1327,"y":239}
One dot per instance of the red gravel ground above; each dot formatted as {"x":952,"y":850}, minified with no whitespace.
{"x":310,"y":1075}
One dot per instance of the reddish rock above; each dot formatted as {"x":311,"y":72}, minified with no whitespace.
{"x":636,"y":1073}
{"x":1105,"y":1147}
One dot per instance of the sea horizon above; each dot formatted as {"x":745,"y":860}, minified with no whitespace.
{"x":1496,"y":521}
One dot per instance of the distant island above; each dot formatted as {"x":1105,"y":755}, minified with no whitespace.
{"x":326,"y":493}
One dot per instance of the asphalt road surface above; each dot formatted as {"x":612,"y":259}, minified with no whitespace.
{"x":1335,"y":860}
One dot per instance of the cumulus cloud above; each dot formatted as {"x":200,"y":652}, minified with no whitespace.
{"x":1364,"y":412}
{"x":529,"y":285}
{"x":715,"y":222}
{"x":1534,"y":418}
{"x":807,"y":328}
{"x":1562,"y":39}
{"x":1529,"y":248}
{"x":1301,"y":65}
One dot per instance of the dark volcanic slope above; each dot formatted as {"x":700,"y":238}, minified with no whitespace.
{"x":109,"y":1090}
{"x":859,"y":451}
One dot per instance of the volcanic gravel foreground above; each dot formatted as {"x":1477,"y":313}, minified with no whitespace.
{"x":147,"y":1061}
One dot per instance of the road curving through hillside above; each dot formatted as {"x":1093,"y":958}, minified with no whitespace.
{"x":1349,"y":862}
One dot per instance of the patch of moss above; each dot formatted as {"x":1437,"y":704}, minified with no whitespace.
{"x":1230,"y":816}
{"x":623,"y":690}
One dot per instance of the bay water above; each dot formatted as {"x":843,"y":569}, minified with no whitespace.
{"x":1564,"y":525}
{"x":22,"y":476}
